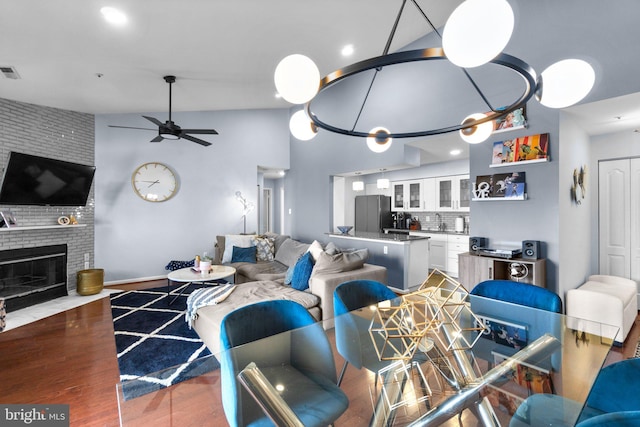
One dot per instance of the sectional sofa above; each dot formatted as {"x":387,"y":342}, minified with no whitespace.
{"x":269,"y":267}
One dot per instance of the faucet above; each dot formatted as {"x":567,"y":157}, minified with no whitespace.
{"x":440,"y":224}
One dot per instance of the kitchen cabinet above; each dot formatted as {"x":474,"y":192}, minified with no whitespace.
{"x":475,"y":269}
{"x":456,"y":245}
{"x":453,"y":193}
{"x":407,"y":196}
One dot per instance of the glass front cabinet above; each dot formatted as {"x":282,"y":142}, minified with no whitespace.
{"x":453,"y":193}
{"x":413,"y":196}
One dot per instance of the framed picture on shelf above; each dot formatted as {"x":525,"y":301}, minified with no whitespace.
{"x":533,"y":379}
{"x":531,"y":148}
{"x":7,"y":220}
{"x":517,"y":119}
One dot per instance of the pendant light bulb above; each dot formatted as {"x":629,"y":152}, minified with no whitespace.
{"x":301,"y":126}
{"x":477,"y":31}
{"x":565,"y":83}
{"x":379,"y":140}
{"x":297,"y":79}
{"x":478,"y":133}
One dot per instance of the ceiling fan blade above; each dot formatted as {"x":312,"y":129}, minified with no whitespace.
{"x":201,"y":131}
{"x":157,"y":139}
{"x":196,"y":140}
{"x":130,"y":127}
{"x":154,"y":120}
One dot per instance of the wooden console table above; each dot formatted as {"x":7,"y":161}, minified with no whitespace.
{"x":475,"y":269}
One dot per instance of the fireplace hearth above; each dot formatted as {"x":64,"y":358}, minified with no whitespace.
{"x":29,"y":276}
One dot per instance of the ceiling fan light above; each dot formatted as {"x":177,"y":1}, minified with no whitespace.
{"x":565,"y":83}
{"x":379,"y":140}
{"x":297,"y":79}
{"x":168,"y":135}
{"x":476,"y":134}
{"x":301,"y":126}
{"x":477,"y":31}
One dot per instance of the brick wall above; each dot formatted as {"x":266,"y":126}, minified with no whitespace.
{"x":59,"y":134}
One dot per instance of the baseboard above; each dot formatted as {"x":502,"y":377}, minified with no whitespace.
{"x":139,"y":279}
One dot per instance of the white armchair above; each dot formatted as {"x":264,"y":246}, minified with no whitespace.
{"x":608,"y":300}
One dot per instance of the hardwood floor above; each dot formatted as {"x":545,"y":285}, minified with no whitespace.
{"x":70,"y":358}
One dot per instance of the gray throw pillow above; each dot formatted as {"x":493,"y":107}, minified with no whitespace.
{"x":332,"y":249}
{"x":289,"y":252}
{"x":343,"y":261}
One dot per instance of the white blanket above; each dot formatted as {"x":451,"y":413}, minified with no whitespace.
{"x":206,"y":296}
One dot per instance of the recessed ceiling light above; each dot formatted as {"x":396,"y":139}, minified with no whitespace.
{"x":347,"y":50}
{"x":455,"y":152}
{"x":113,"y":15}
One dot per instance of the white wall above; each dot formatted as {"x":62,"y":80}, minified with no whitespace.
{"x":135,"y":238}
{"x":575,"y":233}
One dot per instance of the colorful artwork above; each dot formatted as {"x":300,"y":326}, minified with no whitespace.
{"x":522,"y":149}
{"x":530,"y":377}
{"x":514,"y":120}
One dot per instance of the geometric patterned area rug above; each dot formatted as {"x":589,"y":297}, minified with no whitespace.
{"x":155,"y":346}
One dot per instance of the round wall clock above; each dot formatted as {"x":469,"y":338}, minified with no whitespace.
{"x":154,"y":182}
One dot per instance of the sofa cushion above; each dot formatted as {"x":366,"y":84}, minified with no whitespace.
{"x":290,"y":251}
{"x":342,"y":261}
{"x":302,"y":272}
{"x":265,"y":248}
{"x":332,"y":249}
{"x":251,"y":271}
{"x":278,"y":239}
{"x":239,"y":240}
{"x":244,"y":254}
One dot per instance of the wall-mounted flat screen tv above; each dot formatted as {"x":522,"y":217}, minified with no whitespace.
{"x":34,"y":180}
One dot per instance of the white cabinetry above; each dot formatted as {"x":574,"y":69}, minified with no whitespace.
{"x":408,"y":196}
{"x":453,"y":193}
{"x":456,"y":245}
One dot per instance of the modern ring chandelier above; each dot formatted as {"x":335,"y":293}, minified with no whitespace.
{"x":562,"y":84}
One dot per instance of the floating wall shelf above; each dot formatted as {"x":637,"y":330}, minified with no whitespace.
{"x":41,"y":227}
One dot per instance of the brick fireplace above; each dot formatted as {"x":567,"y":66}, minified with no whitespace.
{"x":31,"y":276}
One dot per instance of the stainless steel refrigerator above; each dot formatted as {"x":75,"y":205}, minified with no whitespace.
{"x":373,"y":213}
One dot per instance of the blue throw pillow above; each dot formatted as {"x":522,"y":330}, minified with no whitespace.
{"x":302,"y":272}
{"x":288,"y":277}
{"x":244,"y":254}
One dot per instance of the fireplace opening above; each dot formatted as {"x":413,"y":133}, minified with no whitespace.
{"x":30,"y":276}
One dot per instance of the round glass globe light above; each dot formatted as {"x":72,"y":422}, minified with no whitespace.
{"x":566,"y":82}
{"x":478,"y":133}
{"x":379,"y":140}
{"x":297,"y":79}
{"x":301,"y":126}
{"x":477,"y":31}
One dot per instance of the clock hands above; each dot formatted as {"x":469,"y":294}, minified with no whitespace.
{"x":152,"y":182}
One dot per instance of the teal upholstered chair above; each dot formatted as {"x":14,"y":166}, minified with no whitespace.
{"x":352,"y":332}
{"x":519,"y":293}
{"x":301,"y":360}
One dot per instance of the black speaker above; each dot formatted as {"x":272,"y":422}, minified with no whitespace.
{"x":476,"y":243}
{"x":531,"y":249}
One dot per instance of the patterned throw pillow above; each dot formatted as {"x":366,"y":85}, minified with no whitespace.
{"x":265,"y":248}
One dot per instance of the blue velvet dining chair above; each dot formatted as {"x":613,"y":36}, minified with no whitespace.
{"x":353,"y":340}
{"x":301,"y":361}
{"x":519,"y":293}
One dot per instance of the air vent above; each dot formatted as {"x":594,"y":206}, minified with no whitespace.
{"x":10,"y":72}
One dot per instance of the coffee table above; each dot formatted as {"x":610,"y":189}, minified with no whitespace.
{"x":189,"y":275}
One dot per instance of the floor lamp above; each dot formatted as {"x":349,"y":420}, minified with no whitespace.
{"x":246,"y":208}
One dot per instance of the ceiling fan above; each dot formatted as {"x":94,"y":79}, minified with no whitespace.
{"x":170,"y":130}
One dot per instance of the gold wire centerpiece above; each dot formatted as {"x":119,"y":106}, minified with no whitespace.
{"x":437,"y":310}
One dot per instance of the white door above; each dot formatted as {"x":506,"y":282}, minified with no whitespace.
{"x":614,"y":194}
{"x":635,"y":219}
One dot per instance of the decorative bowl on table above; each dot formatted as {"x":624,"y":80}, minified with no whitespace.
{"x":345,"y":229}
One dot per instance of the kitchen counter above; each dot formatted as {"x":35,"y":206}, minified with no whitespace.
{"x":383,"y":237}
{"x":403,"y":231}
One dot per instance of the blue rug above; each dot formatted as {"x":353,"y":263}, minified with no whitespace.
{"x":155,"y":346}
